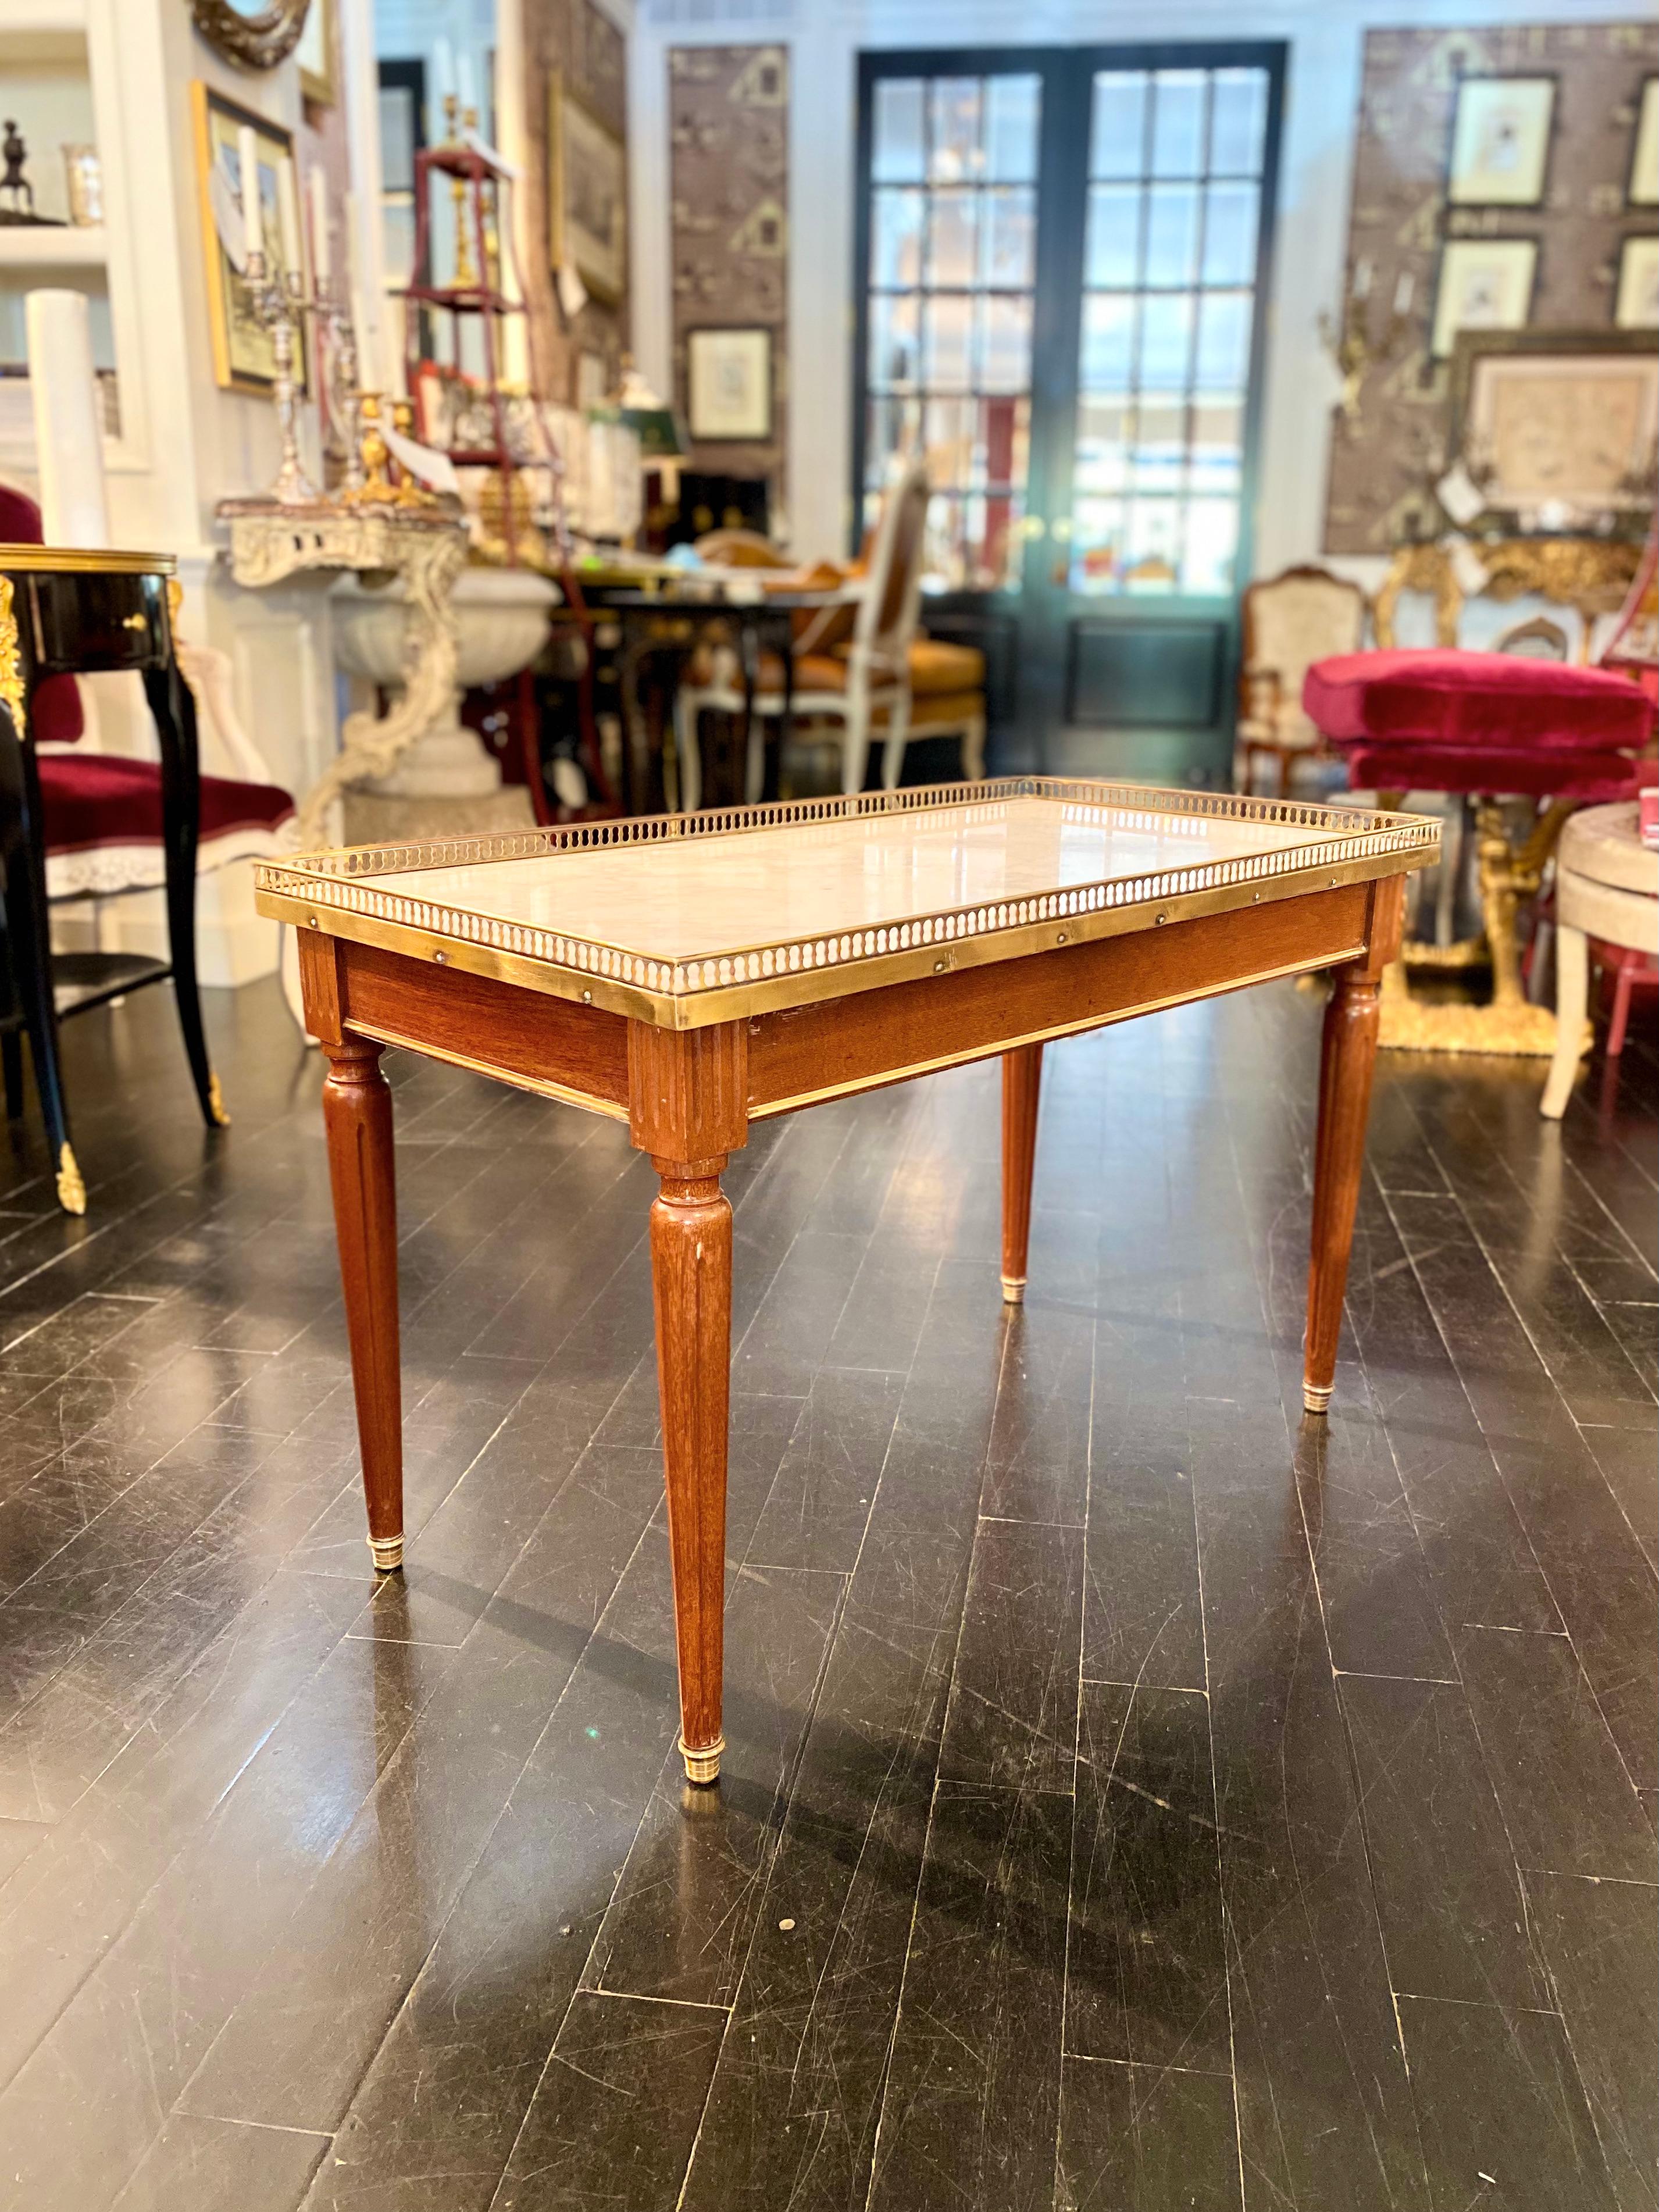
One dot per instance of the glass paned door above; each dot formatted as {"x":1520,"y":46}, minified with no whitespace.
{"x":1168,"y":306}
{"x":1060,"y":255}
{"x":951,"y":274}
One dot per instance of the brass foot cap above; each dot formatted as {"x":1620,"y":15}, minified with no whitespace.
{"x":388,"y":1553}
{"x":703,"y":1766}
{"x":1013,"y":1291}
{"x":71,"y":1190}
{"x":1316,"y":1401}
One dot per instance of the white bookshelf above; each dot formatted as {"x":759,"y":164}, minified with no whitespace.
{"x":49,"y":247}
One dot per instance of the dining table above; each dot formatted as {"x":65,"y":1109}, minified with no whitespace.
{"x":691,"y":975}
{"x":668,"y":615}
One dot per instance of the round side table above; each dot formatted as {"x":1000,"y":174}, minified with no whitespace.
{"x":1607,"y":898}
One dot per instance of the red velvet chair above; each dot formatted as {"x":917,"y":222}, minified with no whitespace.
{"x":1488,"y":726}
{"x":104,"y":827}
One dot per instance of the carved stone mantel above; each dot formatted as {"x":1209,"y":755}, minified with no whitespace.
{"x":1589,"y":574}
{"x":269,"y":545}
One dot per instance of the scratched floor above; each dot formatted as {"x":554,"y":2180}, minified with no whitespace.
{"x":1134,"y":1798}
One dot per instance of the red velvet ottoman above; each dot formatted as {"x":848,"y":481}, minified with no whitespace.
{"x":1489,"y":726}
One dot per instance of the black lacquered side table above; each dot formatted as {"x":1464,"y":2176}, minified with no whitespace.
{"x":67,"y":611}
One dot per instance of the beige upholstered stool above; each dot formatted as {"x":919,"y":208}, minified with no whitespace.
{"x":1607,"y":888}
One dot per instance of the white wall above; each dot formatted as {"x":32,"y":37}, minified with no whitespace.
{"x":1325,"y":38}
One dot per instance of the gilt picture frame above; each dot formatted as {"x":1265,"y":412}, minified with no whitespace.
{"x":243,"y":359}
{"x":1642,"y":188}
{"x":587,"y":194}
{"x":1564,"y":422}
{"x":728,"y":386}
{"x":1635,"y":300}
{"x":254,"y":35}
{"x":1484,"y":284}
{"x":1500,"y":147}
{"x":315,"y":55}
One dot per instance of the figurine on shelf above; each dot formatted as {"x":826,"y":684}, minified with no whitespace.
{"x":408,"y":491}
{"x":375,"y":488}
{"x":16,"y":192}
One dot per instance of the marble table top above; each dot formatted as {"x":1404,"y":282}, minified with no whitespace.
{"x":815,"y":897}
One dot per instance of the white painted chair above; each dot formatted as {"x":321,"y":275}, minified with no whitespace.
{"x":864,"y":687}
{"x":1606,"y":893}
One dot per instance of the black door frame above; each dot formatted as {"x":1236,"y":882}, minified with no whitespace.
{"x":1047,"y":612}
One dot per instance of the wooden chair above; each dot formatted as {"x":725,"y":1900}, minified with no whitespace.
{"x":1536,"y":639}
{"x":1305,"y":614}
{"x":862,"y":687}
{"x":739,"y":548}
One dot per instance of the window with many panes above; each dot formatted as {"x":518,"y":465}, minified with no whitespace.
{"x":1174,"y":192}
{"x":952,"y":269}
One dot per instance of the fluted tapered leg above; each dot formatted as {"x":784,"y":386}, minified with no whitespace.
{"x":692,"y":1282}
{"x":1022,"y":1078}
{"x":357,"y":1115}
{"x":1347,"y":1060}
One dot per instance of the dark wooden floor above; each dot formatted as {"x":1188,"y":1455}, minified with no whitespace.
{"x":1135,"y":1798}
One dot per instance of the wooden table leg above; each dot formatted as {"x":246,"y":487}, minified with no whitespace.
{"x":691,"y":1284}
{"x":688,"y":1093}
{"x":357,"y":1114}
{"x":1347,"y":1060}
{"x":1022,"y":1078}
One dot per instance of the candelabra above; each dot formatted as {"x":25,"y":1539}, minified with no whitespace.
{"x":278,"y":301}
{"x":1350,"y":343}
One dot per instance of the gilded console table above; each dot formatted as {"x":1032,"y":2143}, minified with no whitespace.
{"x":269,"y":543}
{"x":691,"y":974}
{"x":1592,"y":575}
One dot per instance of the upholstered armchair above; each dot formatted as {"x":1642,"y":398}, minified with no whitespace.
{"x":1291,"y":621}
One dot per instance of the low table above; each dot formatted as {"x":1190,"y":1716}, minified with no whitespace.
{"x":1606,"y":899}
{"x":691,"y":974}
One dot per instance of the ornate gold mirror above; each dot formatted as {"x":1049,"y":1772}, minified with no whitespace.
{"x":253,"y":33}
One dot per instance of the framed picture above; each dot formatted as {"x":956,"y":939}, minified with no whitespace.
{"x":1501,"y":141}
{"x":593,"y":379}
{"x":1486,"y":284}
{"x":1636,"y":304}
{"x":728,"y":385}
{"x":1643,"y":190}
{"x":1566,"y":420}
{"x":315,"y":54}
{"x":587,"y":184}
{"x":242,"y":358}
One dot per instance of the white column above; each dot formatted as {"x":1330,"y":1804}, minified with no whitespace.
{"x":513,"y":142}
{"x":651,"y":322}
{"x":380,"y":345}
{"x":69,"y":438}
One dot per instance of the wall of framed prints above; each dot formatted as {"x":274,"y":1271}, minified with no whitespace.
{"x":578,"y":245}
{"x":1505,"y":181}
{"x":729,"y":181}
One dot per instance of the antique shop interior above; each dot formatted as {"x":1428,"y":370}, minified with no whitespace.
{"x":850,"y":1399}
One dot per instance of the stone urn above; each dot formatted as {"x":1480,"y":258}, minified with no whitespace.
{"x":446,"y":783}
